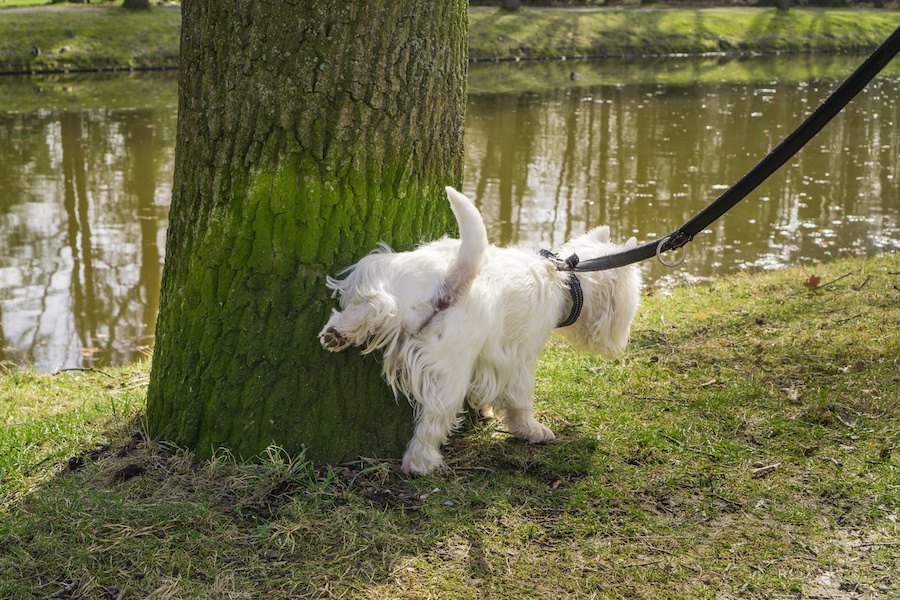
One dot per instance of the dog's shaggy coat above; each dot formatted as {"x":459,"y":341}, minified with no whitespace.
{"x":457,"y":319}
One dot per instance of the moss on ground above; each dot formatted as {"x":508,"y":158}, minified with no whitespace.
{"x":746,"y":444}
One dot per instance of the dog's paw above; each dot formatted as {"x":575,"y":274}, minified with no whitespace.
{"x":421,"y":460}
{"x":332,"y":340}
{"x":486,"y":413}
{"x":538,"y":434}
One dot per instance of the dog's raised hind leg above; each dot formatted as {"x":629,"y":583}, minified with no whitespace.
{"x":332,"y":340}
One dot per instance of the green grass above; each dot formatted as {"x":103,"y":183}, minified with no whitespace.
{"x":745,"y":445}
{"x":496,"y":33}
{"x":46,"y":417}
{"x":18,"y":3}
{"x":51,"y":4}
{"x":108,"y":37}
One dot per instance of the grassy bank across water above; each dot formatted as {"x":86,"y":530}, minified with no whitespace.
{"x":746,"y":444}
{"x":550,"y":33}
{"x":109,"y":37}
{"x":54,"y":39}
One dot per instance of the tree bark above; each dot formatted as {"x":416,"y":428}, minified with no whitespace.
{"x":308,"y":131}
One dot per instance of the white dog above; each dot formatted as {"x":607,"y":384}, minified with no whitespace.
{"x":459,"y":319}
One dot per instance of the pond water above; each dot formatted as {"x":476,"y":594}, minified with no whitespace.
{"x":551,"y":150}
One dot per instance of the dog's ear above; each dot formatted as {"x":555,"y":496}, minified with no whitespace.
{"x":631,"y":243}
{"x":599,"y":234}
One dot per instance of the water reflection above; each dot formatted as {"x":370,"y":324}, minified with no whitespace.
{"x":86,"y":167}
{"x":646,"y":157}
{"x":83,"y":217}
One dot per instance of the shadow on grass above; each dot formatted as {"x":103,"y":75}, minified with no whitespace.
{"x":139,"y":517}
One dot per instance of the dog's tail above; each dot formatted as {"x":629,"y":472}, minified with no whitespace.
{"x":472,"y":244}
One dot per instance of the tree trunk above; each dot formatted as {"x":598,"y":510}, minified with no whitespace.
{"x":136,"y":4}
{"x":783,"y":4}
{"x":308,"y":131}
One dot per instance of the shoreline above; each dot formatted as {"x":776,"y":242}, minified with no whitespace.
{"x":474,"y":61}
{"x":37,"y":41}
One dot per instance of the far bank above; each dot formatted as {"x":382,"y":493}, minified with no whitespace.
{"x":110,"y":38}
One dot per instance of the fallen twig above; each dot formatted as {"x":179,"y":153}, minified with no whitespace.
{"x":67,"y":590}
{"x":660,"y":550}
{"x":763,"y":471}
{"x":806,"y":548}
{"x":863,"y":284}
{"x":842,"y":321}
{"x":36,"y":465}
{"x":833,"y":281}
{"x":728,"y":501}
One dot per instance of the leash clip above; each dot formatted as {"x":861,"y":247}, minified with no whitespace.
{"x":567,"y":264}
{"x":678,"y":241}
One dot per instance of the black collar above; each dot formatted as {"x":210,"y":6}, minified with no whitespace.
{"x":572,"y":284}
{"x":574,"y":287}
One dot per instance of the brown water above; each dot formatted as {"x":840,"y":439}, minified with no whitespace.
{"x":86,"y":167}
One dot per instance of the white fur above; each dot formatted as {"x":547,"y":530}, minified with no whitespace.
{"x":457,"y":319}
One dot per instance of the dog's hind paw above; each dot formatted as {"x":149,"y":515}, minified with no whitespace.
{"x":538,"y":434}
{"x":332,"y":340}
{"x":523,"y":425}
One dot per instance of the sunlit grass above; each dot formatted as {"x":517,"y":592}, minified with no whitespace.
{"x":46,"y":417}
{"x":101,"y":37}
{"x":629,"y":32}
{"x":746,"y":444}
{"x":14,"y":3}
{"x":110,"y":37}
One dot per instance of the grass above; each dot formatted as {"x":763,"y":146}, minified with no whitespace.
{"x":90,"y":38}
{"x":524,"y":33}
{"x":109,"y":37}
{"x":745,"y":445}
{"x":21,"y":3}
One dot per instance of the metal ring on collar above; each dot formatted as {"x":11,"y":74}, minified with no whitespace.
{"x":659,"y":251}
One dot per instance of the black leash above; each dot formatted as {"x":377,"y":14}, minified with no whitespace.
{"x":768,"y":165}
